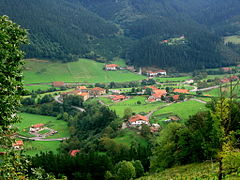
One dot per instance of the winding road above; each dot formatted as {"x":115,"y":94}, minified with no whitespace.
{"x":57,"y":99}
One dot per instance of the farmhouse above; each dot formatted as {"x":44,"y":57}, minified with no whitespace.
{"x":74,"y":152}
{"x":111,"y":67}
{"x":82,"y":88}
{"x":156,"y":73}
{"x":226,"y":69}
{"x":117,"y":98}
{"x":184,"y":91}
{"x":58,"y":84}
{"x":77,"y":92}
{"x":176,"y":97}
{"x":85,"y":95}
{"x":138,"y":120}
{"x":97,"y":91}
{"x":36,"y":127}
{"x":18,"y":144}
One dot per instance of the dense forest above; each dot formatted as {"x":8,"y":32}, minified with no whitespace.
{"x":101,"y":30}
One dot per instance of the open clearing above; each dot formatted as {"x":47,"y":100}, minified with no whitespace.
{"x":136,"y":108}
{"x":233,"y":39}
{"x":51,"y":122}
{"x":34,"y":147}
{"x":183,"y":109}
{"x":84,"y":70}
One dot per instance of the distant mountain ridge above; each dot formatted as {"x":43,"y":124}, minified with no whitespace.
{"x":67,"y":29}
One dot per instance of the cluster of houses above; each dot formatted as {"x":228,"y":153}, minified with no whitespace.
{"x":230,"y":79}
{"x":159,"y":94}
{"x":85,"y":92}
{"x":35,"y":129}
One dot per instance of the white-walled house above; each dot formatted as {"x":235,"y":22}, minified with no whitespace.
{"x":138,"y":120}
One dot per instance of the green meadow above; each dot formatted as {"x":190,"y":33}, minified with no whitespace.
{"x":144,"y":107}
{"x":37,"y":87}
{"x":28,"y":120}
{"x":34,"y":147}
{"x":183,"y":109}
{"x":173,"y":79}
{"x":233,"y":39}
{"x":128,"y":137}
{"x":84,"y":70}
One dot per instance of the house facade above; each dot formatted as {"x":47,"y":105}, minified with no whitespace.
{"x":97,"y":91}
{"x":156,"y":73}
{"x":138,"y":120}
{"x":111,"y":67}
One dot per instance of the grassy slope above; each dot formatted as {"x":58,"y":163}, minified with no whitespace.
{"x":201,"y":171}
{"x":36,"y":87}
{"x":137,"y":108}
{"x":34,"y":147}
{"x":183,"y":109}
{"x":52,"y":122}
{"x":175,"y":79}
{"x":233,"y":39}
{"x":81,"y":71}
{"x":128,"y":137}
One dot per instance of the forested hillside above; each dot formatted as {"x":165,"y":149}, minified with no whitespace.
{"x":58,"y":29}
{"x":132,"y":29}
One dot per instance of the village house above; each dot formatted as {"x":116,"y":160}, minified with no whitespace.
{"x":36,"y":127}
{"x":183,"y":91}
{"x":18,"y":144}
{"x":189,"y":81}
{"x":97,"y":91}
{"x":111,"y":67}
{"x":58,"y":84}
{"x":118,"y":98}
{"x":74,"y":152}
{"x":156,"y":73}
{"x":176,"y":97}
{"x":82,"y":88}
{"x":138,"y":120}
{"x":84,"y":95}
{"x":155,"y":128}
{"x":172,"y":118}
{"x":227,"y":69}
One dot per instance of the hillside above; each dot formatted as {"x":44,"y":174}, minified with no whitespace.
{"x":86,"y":71}
{"x":58,"y":29}
{"x":67,"y":29}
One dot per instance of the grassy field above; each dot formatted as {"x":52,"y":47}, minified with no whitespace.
{"x":175,"y":79}
{"x":31,"y":119}
{"x":86,"y":71}
{"x":37,"y":87}
{"x":233,"y":39}
{"x":137,"y":108}
{"x":34,"y":147}
{"x":183,"y":109}
{"x":225,"y":90}
{"x":203,"y":171}
{"x":128,"y":137}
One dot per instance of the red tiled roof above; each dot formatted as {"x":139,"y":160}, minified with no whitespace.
{"x":98,"y":89}
{"x":160,"y":91}
{"x":74,"y":152}
{"x":151,"y":100}
{"x":175,"y":97}
{"x":84,"y":94}
{"x":180,"y":90}
{"x":151,"y":87}
{"x":118,"y":97}
{"x":58,"y":83}
{"x":137,"y":118}
{"x":111,"y":65}
{"x":37,"y":125}
{"x":81,"y":87}
{"x":226,"y":68}
{"x":18,"y":143}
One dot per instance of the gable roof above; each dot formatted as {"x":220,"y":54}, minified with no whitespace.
{"x":37,"y":125}
{"x":181,"y":90}
{"x":82,"y":87}
{"x":74,"y":152}
{"x":138,"y":117}
{"x":18,"y":143}
{"x":98,"y":89}
{"x":111,"y":65}
{"x":84,"y":94}
{"x":175,"y":97}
